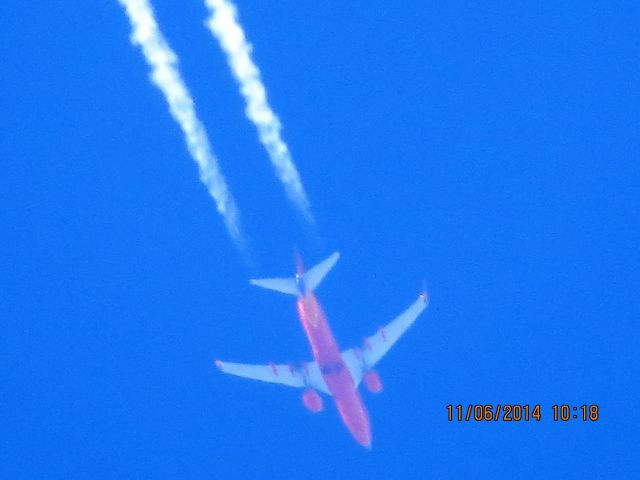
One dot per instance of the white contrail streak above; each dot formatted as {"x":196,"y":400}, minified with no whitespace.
{"x":224,"y":25}
{"x":165,"y":74}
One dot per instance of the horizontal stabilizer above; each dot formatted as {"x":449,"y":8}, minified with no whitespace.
{"x":299,"y":285}
{"x":314,"y":276}
{"x":283,"y":285}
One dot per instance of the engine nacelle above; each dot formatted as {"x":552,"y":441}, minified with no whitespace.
{"x":372,"y":381}
{"x":312,"y":400}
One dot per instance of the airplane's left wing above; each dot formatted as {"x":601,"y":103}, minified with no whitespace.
{"x":307,"y":375}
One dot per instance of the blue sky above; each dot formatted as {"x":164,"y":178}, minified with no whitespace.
{"x":490,"y":150}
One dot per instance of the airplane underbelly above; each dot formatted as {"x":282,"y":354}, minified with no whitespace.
{"x":337,"y":377}
{"x":348,"y":401}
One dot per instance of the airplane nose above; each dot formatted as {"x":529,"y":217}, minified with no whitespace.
{"x":366,"y":444}
{"x":355,"y":416}
{"x":361,"y":431}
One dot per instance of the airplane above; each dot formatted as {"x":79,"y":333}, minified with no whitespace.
{"x":332,"y":372}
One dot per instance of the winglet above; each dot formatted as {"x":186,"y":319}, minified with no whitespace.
{"x":424,"y":295}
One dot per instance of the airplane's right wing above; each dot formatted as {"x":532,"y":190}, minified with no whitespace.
{"x":307,"y":375}
{"x":376,"y":346}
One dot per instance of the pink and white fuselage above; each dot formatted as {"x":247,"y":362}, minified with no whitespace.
{"x":333,"y":368}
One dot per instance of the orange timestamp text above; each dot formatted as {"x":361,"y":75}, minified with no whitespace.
{"x":513,"y":412}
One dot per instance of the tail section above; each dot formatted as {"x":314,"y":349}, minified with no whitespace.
{"x":314,"y":276}
{"x":283,"y":285}
{"x":302,"y":282}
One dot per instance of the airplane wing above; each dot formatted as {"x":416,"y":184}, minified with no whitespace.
{"x":360,"y":361}
{"x":306,"y":375}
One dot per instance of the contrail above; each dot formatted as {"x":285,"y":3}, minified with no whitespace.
{"x":224,"y":25}
{"x":165,"y":74}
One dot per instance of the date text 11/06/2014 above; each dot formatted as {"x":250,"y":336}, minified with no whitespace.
{"x":521,"y":412}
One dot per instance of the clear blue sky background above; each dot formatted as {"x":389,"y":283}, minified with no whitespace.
{"x":491,"y":150}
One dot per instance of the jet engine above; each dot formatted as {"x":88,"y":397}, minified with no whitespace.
{"x":312,"y":400}
{"x":372,"y":381}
